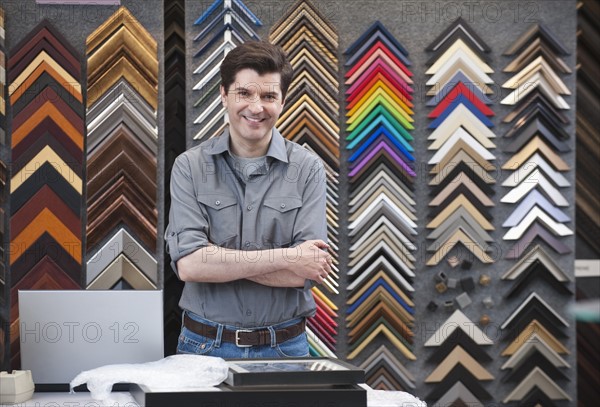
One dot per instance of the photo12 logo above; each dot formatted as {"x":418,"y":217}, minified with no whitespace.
{"x":470,"y":11}
{"x":72,"y":332}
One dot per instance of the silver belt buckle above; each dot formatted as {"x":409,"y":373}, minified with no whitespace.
{"x":237,"y":338}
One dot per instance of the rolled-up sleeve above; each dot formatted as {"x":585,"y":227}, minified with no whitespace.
{"x":187,"y":230}
{"x":311,"y":221}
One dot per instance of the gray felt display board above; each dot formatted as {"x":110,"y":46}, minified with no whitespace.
{"x":75,"y":23}
{"x":415,"y":24}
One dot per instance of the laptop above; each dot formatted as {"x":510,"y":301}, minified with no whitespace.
{"x":65,"y":332}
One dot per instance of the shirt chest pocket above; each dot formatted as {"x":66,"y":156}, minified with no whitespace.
{"x":222,"y":213}
{"x":278,"y":220}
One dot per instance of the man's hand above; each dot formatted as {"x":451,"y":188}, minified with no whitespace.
{"x":309,"y":260}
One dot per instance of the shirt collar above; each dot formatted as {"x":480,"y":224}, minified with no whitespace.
{"x":276,"y":149}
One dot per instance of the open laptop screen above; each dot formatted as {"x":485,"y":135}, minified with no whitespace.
{"x":64,"y":332}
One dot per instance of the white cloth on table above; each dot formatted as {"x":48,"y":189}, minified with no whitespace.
{"x":176,"y":372}
{"x":388,"y":398}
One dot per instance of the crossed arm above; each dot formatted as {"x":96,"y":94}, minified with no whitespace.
{"x":289,"y":267}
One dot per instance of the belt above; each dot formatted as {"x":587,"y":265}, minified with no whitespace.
{"x":245,"y":337}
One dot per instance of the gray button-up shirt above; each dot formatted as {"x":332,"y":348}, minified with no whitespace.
{"x":280,"y":204}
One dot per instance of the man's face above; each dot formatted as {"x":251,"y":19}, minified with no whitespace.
{"x":254,"y":103}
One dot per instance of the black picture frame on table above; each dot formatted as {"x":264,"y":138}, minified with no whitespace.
{"x":292,"y":371}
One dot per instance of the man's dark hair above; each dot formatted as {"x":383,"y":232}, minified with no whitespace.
{"x":260,"y":56}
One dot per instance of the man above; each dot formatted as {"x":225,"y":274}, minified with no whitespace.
{"x":247,"y":224}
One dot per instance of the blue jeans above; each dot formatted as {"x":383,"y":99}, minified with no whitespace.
{"x":192,"y":343}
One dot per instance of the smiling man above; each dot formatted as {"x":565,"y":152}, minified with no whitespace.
{"x":247,"y":223}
